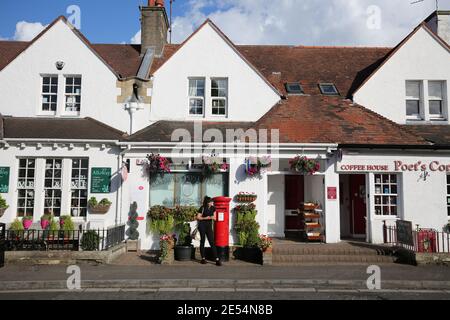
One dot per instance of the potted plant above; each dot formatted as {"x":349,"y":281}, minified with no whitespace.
{"x":184,"y":250}
{"x":101,"y":207}
{"x":255,"y":165}
{"x":16,"y":229}
{"x":447,"y":228}
{"x":161,"y":222}
{"x":3,"y":206}
{"x":265,"y":243}
{"x":133,"y":242}
{"x":304,"y":165}
{"x":245,"y":197}
{"x":53,"y":229}
{"x":212,"y":165}
{"x":67,"y":227}
{"x":157,"y":164}
{"x":247,"y":229}
{"x":45,"y":221}
{"x":27,"y":222}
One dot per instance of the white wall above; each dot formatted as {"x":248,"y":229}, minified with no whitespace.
{"x":276,"y":206}
{"x":20,"y":81}
{"x":107,"y":158}
{"x":207,"y":55}
{"x":420,"y":58}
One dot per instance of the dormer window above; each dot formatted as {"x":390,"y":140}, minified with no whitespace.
{"x":328,"y":89}
{"x":294,"y":88}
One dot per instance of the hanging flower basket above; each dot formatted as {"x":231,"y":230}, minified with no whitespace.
{"x":246,"y":197}
{"x":212,"y":165}
{"x":157,"y":164}
{"x":304,"y":165}
{"x":254,"y":166}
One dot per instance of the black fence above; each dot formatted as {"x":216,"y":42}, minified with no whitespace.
{"x":423,"y":240}
{"x":45,"y":240}
{"x":2,"y":244}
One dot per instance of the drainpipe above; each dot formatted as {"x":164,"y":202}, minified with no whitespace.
{"x":133,"y":105}
{"x":119,"y":194}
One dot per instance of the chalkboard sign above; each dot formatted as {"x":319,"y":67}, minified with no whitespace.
{"x":405,"y":232}
{"x":101,"y":180}
{"x":4,"y":179}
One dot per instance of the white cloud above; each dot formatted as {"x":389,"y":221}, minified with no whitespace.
{"x":305,"y":22}
{"x":26,"y":31}
{"x":137,"y":38}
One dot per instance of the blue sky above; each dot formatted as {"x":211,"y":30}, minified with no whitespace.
{"x":307,"y":22}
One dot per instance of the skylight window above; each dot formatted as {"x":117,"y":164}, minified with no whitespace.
{"x":328,"y":89}
{"x":294,"y":88}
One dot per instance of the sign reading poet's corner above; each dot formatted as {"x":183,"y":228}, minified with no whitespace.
{"x":101,"y":180}
{"x":4,"y":179}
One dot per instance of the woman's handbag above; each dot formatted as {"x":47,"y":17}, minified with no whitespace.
{"x":195,"y":235}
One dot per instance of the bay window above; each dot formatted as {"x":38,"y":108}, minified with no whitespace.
{"x":186,"y":188}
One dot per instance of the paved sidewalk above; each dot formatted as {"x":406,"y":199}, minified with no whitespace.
{"x":199,"y":276}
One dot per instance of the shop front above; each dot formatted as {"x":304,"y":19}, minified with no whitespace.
{"x":380,"y":187}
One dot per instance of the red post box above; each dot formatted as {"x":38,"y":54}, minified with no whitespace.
{"x":222,"y":227}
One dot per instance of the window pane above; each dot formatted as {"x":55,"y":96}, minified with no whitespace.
{"x":328,"y":89}
{"x":412,"y":107}
{"x":413,"y":89}
{"x":436,"y":108}
{"x":435,"y":89}
{"x":188,"y":189}
{"x":162,"y":190}
{"x":216,"y":186}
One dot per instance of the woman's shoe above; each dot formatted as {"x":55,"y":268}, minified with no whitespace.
{"x":203,"y":261}
{"x":218,"y":263}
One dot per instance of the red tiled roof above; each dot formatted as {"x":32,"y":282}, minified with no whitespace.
{"x":347,"y":67}
{"x":318,"y":119}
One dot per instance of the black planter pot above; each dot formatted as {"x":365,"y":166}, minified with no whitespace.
{"x":184,"y":253}
{"x":252,"y":255}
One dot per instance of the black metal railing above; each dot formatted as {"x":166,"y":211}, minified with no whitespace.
{"x":424,"y":240}
{"x":45,"y":240}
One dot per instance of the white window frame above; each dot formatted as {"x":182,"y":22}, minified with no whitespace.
{"x":72,"y":94}
{"x":29,"y":187}
{"x":77,"y":185}
{"x":54,"y":186}
{"x":448,"y":195}
{"x":50,"y":94}
{"x":420,"y":115}
{"x":442,"y":99}
{"x":213,"y":98}
{"x":379,"y":194}
{"x":202,"y":98}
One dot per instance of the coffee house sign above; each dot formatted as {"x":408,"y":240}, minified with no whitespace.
{"x":397,"y":166}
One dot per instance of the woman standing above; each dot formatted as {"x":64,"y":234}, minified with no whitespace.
{"x":206,"y":216}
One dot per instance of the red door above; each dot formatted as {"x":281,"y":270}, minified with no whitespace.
{"x":358,"y":204}
{"x":294,"y":196}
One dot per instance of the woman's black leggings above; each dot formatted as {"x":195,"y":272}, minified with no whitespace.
{"x":206,"y":231}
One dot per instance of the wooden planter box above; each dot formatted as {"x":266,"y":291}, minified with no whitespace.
{"x":252,"y":255}
{"x":99,"y":209}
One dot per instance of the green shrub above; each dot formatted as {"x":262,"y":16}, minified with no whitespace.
{"x":183,"y":214}
{"x":247,"y":228}
{"x":105,"y":202}
{"x":93,"y":202}
{"x":161,"y":220}
{"x":90,"y":241}
{"x":133,"y":223}
{"x":3,"y":204}
{"x":16,"y":225}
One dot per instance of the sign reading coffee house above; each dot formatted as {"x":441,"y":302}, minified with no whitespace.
{"x":397,"y":166}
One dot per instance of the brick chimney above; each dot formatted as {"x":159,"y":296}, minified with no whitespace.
{"x":154,"y":26}
{"x":439,"y":22}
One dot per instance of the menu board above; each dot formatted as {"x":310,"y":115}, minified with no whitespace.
{"x":101,"y":180}
{"x":405,"y":232}
{"x":4,"y":179}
